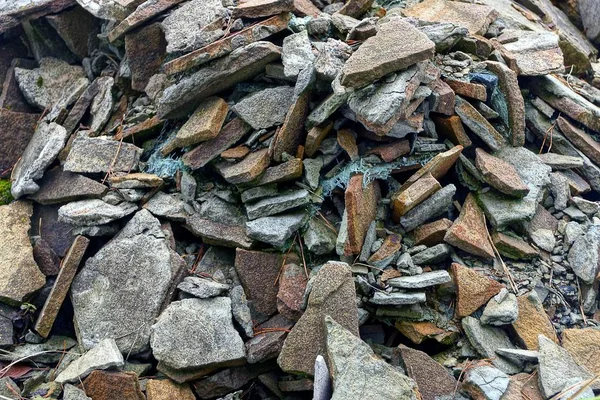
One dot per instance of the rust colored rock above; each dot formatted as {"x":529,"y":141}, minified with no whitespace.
{"x":103,"y":385}
{"x":391,"y":151}
{"x":165,"y":389}
{"x":61,"y":286}
{"x":141,"y":132}
{"x":582,"y":140}
{"x":444,"y":97}
{"x":500,"y":174}
{"x":262,"y":8}
{"x":247,"y":170}
{"x":291,"y":133}
{"x":532,"y":322}
{"x":521,"y":386}
{"x":584,"y":346}
{"x":469,"y":231}
{"x":315,"y":137}
{"x":476,"y":18}
{"x":347,"y":141}
{"x":45,"y":257}
{"x":438,"y":166}
{"x":78,"y":29}
{"x":235,"y":153}
{"x":472,"y":289}
{"x":513,"y":247}
{"x":258,"y":273}
{"x":471,"y":90}
{"x":361,"y":209}
{"x":285,"y":172}
{"x":391,"y":245}
{"x":418,"y":332}
{"x":415,"y":194}
{"x":17,"y":130}
{"x":356,"y":8}
{"x":432,"y":233}
{"x":452,"y":128}
{"x":292,"y":284}
{"x":146,"y":50}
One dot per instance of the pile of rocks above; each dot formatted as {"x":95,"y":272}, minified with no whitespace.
{"x":293,"y":199}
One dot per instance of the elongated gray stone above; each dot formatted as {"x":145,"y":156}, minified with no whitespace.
{"x":433,"y":207}
{"x":584,"y":256}
{"x":397,"y":298}
{"x":102,"y":154}
{"x":275,"y":230}
{"x":202,"y":288}
{"x":420,"y":281}
{"x":278,"y":204}
{"x":93,"y":212}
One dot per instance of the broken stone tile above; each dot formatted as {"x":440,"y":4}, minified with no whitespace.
{"x":61,"y":286}
{"x":104,"y":355}
{"x":292,"y":285}
{"x":588,"y":10}
{"x":291,"y":133}
{"x":202,"y":288}
{"x":535,"y":53}
{"x":443,"y":97}
{"x":238,"y":66}
{"x":143,"y":252}
{"x":320,"y":238}
{"x":451,"y":128}
{"x":580,"y":139}
{"x":332,"y":294}
{"x":315,"y":137}
{"x":397,"y":298}
{"x":77,"y":28}
{"x":296,"y":53}
{"x":20,"y":275}
{"x":415,"y":194}
{"x":391,"y":151}
{"x":387,"y":252}
{"x":209,"y":341}
{"x":420,"y":281}
{"x":58,"y":186}
{"x":138,"y":180}
{"x":229,"y":380}
{"x":347,"y":141}
{"x":148,"y":129}
{"x":168,"y":206}
{"x":278,"y":204}
{"x":502,"y":309}
{"x":438,"y":166}
{"x":486,"y":381}
{"x":312,"y":171}
{"x":45,"y":257}
{"x":500,"y":174}
{"x":288,"y":171}
{"x":94,"y":212}
{"x":418,"y":332}
{"x":165,"y":389}
{"x":472,"y":289}
{"x":559,"y":161}
{"x":431,"y":208}
{"x":265,"y":108}
{"x":103,"y":385}
{"x":247,"y":170}
{"x":258,"y":273}
{"x":512,"y":247}
{"x":582,"y":344}
{"x":583,"y":257}
{"x":480,"y":126}
{"x":432,"y":233}
{"x":396,"y":46}
{"x":432,"y":379}
{"x":100,"y":155}
{"x":261,"y":8}
{"x":102,"y":105}
{"x":468,"y":89}
{"x":275,"y":230}
{"x":219,"y":234}
{"x":325,"y":109}
{"x":18,"y":129}
{"x":54,"y":81}
{"x":44,"y":146}
{"x":476,"y":18}
{"x":432,"y":255}
{"x":268,"y":344}
{"x":361,"y":208}
{"x":350,"y":358}
{"x":532,"y":321}
{"x":145,"y":50}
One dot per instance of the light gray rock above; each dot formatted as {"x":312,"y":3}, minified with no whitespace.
{"x":356,"y":370}
{"x":8,"y":388}
{"x":96,"y":231}
{"x":544,"y":239}
{"x":102,"y":105}
{"x":147,"y":267}
{"x":104,"y":355}
{"x":489,"y":380}
{"x":331,"y":58}
{"x":275,"y":230}
{"x":93,"y":212}
{"x":420,"y":281}
{"x":215,"y":209}
{"x":197,"y":333}
{"x":575,"y":214}
{"x":574,"y":390}
{"x":432,"y":255}
{"x":71,"y":392}
{"x":584,"y":256}
{"x":322,"y":380}
{"x":397,"y":298}
{"x":559,"y":161}
{"x":587,"y":206}
{"x":241,"y":310}
{"x":115,"y":10}
{"x":132,"y":195}
{"x":519,"y":356}
{"x":590,"y":14}
{"x":49,"y":352}
{"x":278,"y":204}
{"x":101,"y":155}
{"x":54,"y":82}
{"x":502,"y":309}
{"x":202,"y":288}
{"x":319,"y":238}
{"x":258,"y":192}
{"x":536,"y":53}
{"x":324,"y":110}
{"x":188,"y":187}
{"x":559,"y":185}
{"x":265,"y":108}
{"x":312,"y":171}
{"x":47,"y":141}
{"x":169,"y":206}
{"x":433,"y":207}
{"x":573,"y":230}
{"x":370,"y":238}
{"x":296,"y":54}
{"x":486,"y":340}
{"x":194,"y":25}
{"x":557,"y":367}
{"x":444,"y":34}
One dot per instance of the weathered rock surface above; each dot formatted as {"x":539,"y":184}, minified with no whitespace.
{"x":584,"y":256}
{"x":472,"y":289}
{"x":265,"y":108}
{"x":104,"y":355}
{"x":101,"y":155}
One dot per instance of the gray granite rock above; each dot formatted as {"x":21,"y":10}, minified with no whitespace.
{"x":543,"y":238}
{"x":432,"y":255}
{"x":331,"y":58}
{"x":71,"y":392}
{"x":559,"y":185}
{"x":584,"y":257}
{"x":502,"y":309}
{"x":587,"y":206}
{"x":420,"y":281}
{"x":197,"y":333}
{"x":265,"y":108}
{"x":312,"y":171}
{"x":102,"y":106}
{"x":573,"y":230}
{"x":241,"y":310}
{"x":397,"y":298}
{"x":319,"y":238}
{"x":259,"y":192}
{"x":169,"y":206}
{"x":93,"y":212}
{"x":47,"y":141}
{"x":101,"y":155}
{"x":104,"y":355}
{"x":488,"y":380}
{"x":278,"y":204}
{"x":49,"y":352}
{"x":58,"y":186}
{"x":202,"y":288}
{"x":296,"y":54}
{"x":433,"y":207}
{"x":145,"y":260}
{"x":275,"y":230}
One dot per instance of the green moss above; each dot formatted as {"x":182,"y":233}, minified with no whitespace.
{"x":5,"y":196}
{"x":40,"y":81}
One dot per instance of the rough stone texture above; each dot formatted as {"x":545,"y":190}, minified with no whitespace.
{"x":17,"y":130}
{"x":486,"y":381}
{"x":557,"y":368}
{"x":229,"y":380}
{"x":590,"y":12}
{"x":472,"y":289}
{"x":59,"y":235}
{"x":471,"y":90}
{"x":433,"y":207}
{"x":409,"y":198}
{"x":61,"y":286}
{"x":332,"y":294}
{"x":278,"y":204}
{"x":396,"y":46}
{"x":319,"y":237}
{"x":19,"y":274}
{"x":45,"y":257}
{"x":265,"y":108}
{"x":94,"y":212}
{"x":512,"y":247}
{"x":432,"y":233}
{"x":142,"y":252}
{"x":433,"y":380}
{"x":288,"y":171}
{"x":145,"y":50}
{"x":201,"y":287}
{"x":522,"y":386}
{"x":292,"y":285}
{"x":438,"y":166}
{"x":361,"y":208}
{"x":275,"y":230}
{"x":104,"y":355}
{"x":532,"y":321}
{"x":78,"y":29}
{"x":480,"y":126}
{"x":165,"y":389}
{"x":425,"y":279}
{"x":268,"y":344}
{"x":535,"y":53}
{"x":58,"y":186}
{"x":197,"y":333}
{"x":502,"y":309}
{"x":247,"y":170}
{"x":291,"y":134}
{"x":258,"y":272}
{"x":357,"y":370}
{"x":100,"y":155}
{"x":71,"y":392}
{"x":451,"y":128}
{"x":584,"y":346}
{"x":469,"y":231}
{"x":47,"y":141}
{"x":500,"y":174}
{"x":296,"y":54}
{"x":53,"y":82}
{"x":102,"y":385}
{"x":584,"y":255}
{"x":219,"y":234}
{"x":476,"y":18}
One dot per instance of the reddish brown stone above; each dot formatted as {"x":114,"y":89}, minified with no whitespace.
{"x":141,"y":132}
{"x":356,"y":8}
{"x":268,"y":340}
{"x":476,"y":18}
{"x":218,"y":234}
{"x":347,"y":141}
{"x":532,"y":322}
{"x":433,"y":380}
{"x":513,"y":247}
{"x":17,"y":130}
{"x":472,"y":289}
{"x":236,"y":153}
{"x":523,"y":386}
{"x":246,"y":170}
{"x":390,"y":246}
{"x":432,"y":233}
{"x":418,"y":332}
{"x":45,"y":257}
{"x":584,"y":346}
{"x":165,"y":389}
{"x":500,"y":174}
{"x":292,"y":284}
{"x":438,"y":166}
{"x":452,"y":129}
{"x":103,"y":385}
{"x":305,"y":8}
{"x":258,"y":273}
{"x":415,"y":194}
{"x":285,"y":172}
{"x":444,"y":97}
{"x":146,"y":50}
{"x":361,"y":209}
{"x":315,"y":137}
{"x":582,"y":140}
{"x":472,"y":90}
{"x":291,"y":133}
{"x":469,"y":231}
{"x":261,"y":8}
{"x":391,"y":151}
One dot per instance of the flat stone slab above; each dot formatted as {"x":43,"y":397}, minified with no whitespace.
{"x":94,"y":212}
{"x":475,"y":17}
{"x":275,"y":230}
{"x":100,"y":155}
{"x":265,"y":108}
{"x":278,"y":204}
{"x":104,"y":355}
{"x":58,"y":186}
{"x":420,"y":281}
{"x":397,"y":298}
{"x":535,"y":53}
